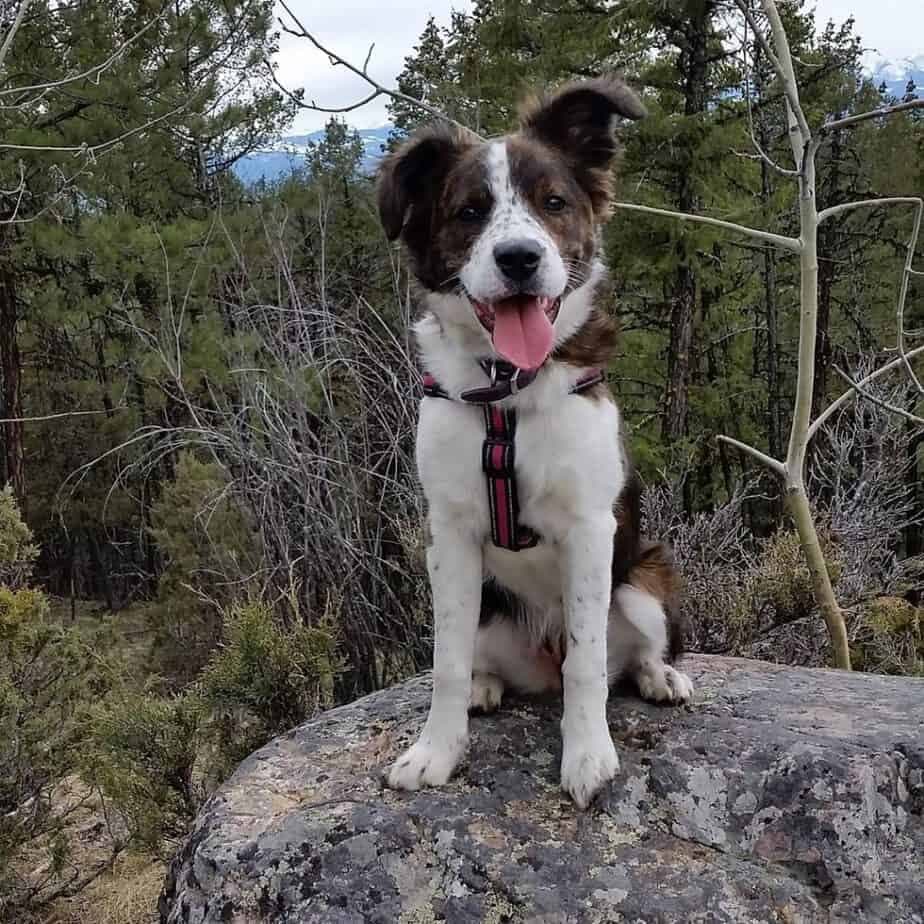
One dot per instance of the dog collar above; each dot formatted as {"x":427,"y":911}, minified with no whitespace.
{"x":498,"y":452}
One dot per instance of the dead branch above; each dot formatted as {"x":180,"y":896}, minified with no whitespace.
{"x":299,"y":31}
{"x":885,"y":405}
{"x":14,"y":28}
{"x":885,"y":111}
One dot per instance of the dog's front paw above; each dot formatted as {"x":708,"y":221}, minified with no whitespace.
{"x":680,"y":685}
{"x":661,"y":683}
{"x":427,"y":763}
{"x":587,"y":767}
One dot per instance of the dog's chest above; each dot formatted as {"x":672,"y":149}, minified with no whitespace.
{"x":569,"y":466}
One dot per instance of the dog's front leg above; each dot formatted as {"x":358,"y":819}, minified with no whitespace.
{"x":454,"y":563}
{"x":588,"y":756}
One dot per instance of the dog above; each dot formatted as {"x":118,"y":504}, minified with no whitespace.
{"x":541,"y":582}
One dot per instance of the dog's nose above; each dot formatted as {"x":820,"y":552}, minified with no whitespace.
{"x":518,"y":260}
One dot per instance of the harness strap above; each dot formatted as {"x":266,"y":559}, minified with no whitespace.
{"x":498,"y":452}
{"x":498,"y":462}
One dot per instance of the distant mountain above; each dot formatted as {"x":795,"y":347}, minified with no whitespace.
{"x":278,"y":160}
{"x":896,"y":74}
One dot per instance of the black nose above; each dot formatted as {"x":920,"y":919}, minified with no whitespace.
{"x":518,"y":260}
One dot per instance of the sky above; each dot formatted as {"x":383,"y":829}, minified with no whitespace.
{"x":890,"y":29}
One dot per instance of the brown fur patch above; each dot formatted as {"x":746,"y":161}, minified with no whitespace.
{"x":655,"y":574}
{"x":539,"y":172}
{"x":418,"y":184}
{"x":592,"y":344}
{"x":577,"y":121}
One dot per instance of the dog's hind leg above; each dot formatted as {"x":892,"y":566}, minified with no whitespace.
{"x":487,"y":692}
{"x":641,"y":633}
{"x":637,"y":643}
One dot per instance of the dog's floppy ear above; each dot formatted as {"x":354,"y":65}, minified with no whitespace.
{"x":579,"y":120}
{"x":414,"y":171}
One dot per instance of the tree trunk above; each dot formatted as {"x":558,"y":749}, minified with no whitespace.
{"x":692,"y":38}
{"x":11,"y":464}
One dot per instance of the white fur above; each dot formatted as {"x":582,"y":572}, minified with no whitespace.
{"x":510,"y":219}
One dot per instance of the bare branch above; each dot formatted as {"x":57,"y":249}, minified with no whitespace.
{"x":850,"y":121}
{"x":848,"y":396}
{"x":362,"y":72}
{"x":103,"y":146}
{"x":894,"y":408}
{"x":6,"y":420}
{"x":787,"y":243}
{"x":782,"y":64}
{"x":94,"y":72}
{"x":775,"y":466}
{"x":14,"y":28}
{"x":903,"y":292}
{"x":827,"y":213}
{"x":761,"y":153}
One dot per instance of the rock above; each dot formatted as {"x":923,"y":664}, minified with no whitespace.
{"x":783,"y":794}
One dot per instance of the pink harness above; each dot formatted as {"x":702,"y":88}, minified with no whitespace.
{"x":498,"y":452}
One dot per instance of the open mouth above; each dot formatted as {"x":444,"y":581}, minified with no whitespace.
{"x":520,"y":327}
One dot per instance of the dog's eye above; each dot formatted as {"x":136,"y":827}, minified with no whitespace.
{"x":554,"y":203}
{"x":471,"y":213}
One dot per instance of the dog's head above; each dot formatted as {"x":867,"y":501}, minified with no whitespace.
{"x":505,"y":228}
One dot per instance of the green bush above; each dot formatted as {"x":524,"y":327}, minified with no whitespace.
{"x":46,"y":672}
{"x":778,"y":588}
{"x":887,"y":637}
{"x":264,"y":679}
{"x":141,"y":753}
{"x":207,"y":544}
{"x":17,"y":553}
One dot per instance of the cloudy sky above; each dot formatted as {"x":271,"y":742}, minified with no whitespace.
{"x":891,"y":29}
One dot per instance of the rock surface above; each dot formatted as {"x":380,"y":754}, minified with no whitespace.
{"x":782,"y":794}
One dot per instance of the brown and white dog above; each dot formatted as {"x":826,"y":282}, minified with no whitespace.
{"x":503,"y":237}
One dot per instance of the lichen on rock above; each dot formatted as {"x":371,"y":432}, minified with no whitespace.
{"x":782,"y":794}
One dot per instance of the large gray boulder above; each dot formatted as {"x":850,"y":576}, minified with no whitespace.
{"x":782,"y":794}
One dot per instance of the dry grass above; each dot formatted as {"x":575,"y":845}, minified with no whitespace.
{"x":125,"y":895}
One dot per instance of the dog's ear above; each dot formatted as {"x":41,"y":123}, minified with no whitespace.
{"x":579,"y":120}
{"x":414,"y":172}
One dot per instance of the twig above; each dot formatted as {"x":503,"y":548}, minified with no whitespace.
{"x":850,"y":121}
{"x":787,"y":243}
{"x":14,"y":28}
{"x":362,"y":72}
{"x":782,"y":64}
{"x":103,"y":146}
{"x":767,"y":461}
{"x":96,"y":71}
{"x":6,"y":420}
{"x":761,"y":153}
{"x":845,"y":398}
{"x":894,"y":408}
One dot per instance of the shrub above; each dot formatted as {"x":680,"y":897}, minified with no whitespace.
{"x":887,"y":636}
{"x":207,"y":543}
{"x":45,"y":673}
{"x":263,"y":679}
{"x":17,"y":553}
{"x":141,"y":754}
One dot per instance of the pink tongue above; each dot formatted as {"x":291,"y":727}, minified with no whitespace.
{"x":523,"y":333}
